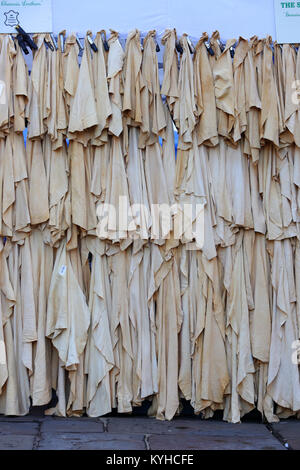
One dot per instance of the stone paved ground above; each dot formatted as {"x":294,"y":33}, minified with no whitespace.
{"x":141,"y":433}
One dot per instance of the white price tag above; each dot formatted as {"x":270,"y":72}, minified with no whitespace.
{"x":62,"y":270}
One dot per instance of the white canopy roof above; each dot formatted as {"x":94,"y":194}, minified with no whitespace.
{"x":233,"y":18}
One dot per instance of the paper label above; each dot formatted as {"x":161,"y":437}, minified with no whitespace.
{"x":62,"y":270}
{"x":34,"y":16}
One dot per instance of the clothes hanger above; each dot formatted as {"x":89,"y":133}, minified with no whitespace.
{"x":62,"y":42}
{"x":179,"y":47}
{"x":91,"y":42}
{"x":49,"y":44}
{"x":221,"y":45}
{"x":209,"y":48}
{"x":25,"y":40}
{"x":81,"y":48}
{"x":54,"y":41}
{"x":191,"y":47}
{"x":105,"y":43}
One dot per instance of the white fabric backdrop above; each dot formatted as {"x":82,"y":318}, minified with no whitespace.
{"x":231,"y":17}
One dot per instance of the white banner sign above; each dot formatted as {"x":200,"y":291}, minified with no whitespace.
{"x":287,"y":17}
{"x":34,"y":16}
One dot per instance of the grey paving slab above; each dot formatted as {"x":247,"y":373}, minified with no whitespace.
{"x":20,"y":419}
{"x":129,"y":433}
{"x":91,"y":441}
{"x":71,"y":425}
{"x":184,"y":426}
{"x":137,"y":425}
{"x":225,"y":442}
{"x":16,"y":442}
{"x":18,"y":428}
{"x":289,"y":431}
